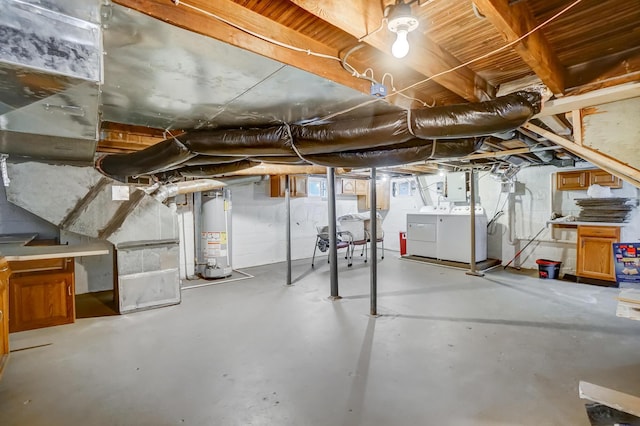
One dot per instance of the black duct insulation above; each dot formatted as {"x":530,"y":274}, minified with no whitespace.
{"x":476,"y":119}
{"x":384,"y":140}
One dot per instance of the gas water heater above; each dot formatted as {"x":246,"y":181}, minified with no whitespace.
{"x":214,"y":256}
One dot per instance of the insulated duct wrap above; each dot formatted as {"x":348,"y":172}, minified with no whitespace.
{"x":475,"y":119}
{"x":160,"y":156}
{"x":349,"y":135}
{"x":268,"y":141}
{"x":384,"y":140}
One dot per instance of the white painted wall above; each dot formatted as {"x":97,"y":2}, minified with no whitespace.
{"x":258,"y":235}
{"x":258,"y":225}
{"x":527,"y":214}
{"x":395,"y":219}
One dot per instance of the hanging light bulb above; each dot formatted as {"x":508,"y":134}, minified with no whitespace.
{"x":401,"y":22}
{"x":400,"y":47}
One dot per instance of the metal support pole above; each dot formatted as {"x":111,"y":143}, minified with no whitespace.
{"x":472,"y":190}
{"x":333,"y":249}
{"x":287,"y":202}
{"x":374,"y":243}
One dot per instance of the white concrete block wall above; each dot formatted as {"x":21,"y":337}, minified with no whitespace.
{"x":395,"y":219}
{"x":527,"y":214}
{"x":259,"y":224}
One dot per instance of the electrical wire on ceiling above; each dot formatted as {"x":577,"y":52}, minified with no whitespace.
{"x":255,"y":34}
{"x":343,"y":61}
{"x":360,"y":75}
{"x":486,"y":55}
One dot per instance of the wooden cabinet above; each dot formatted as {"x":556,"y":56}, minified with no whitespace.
{"x":41,"y":293}
{"x":572,"y":180}
{"x":362,"y":187}
{"x":354,"y":186}
{"x":602,"y":178}
{"x":348,"y":187}
{"x":4,"y":314}
{"x":297,"y":185}
{"x":581,"y":179}
{"x":595,"y":252}
{"x":382,"y":197}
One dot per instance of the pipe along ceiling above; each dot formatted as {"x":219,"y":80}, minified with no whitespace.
{"x":378,"y":141}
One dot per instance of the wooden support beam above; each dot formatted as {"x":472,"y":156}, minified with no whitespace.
{"x":363,"y":18}
{"x":597,"y":97}
{"x":576,"y":119}
{"x":277,"y":169}
{"x":611,"y":165}
{"x":514,"y":21}
{"x":184,"y":17}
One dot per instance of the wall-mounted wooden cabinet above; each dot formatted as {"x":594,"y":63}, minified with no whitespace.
{"x":41,"y":293}
{"x":297,"y":185}
{"x":4,"y":314}
{"x":354,"y":186}
{"x":581,"y":179}
{"x":602,"y":178}
{"x":595,"y":252}
{"x":383,"y":195}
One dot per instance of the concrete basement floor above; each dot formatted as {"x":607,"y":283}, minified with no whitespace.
{"x":449,"y":349}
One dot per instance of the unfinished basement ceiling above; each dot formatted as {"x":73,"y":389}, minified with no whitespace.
{"x":164,"y":77}
{"x":167,"y":66}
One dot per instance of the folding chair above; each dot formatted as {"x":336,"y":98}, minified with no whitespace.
{"x":343,"y":240}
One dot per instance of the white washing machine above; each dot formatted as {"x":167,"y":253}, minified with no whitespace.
{"x":454,"y":235}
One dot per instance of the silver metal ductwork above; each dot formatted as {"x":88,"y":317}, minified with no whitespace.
{"x":50,"y":72}
{"x":143,"y":230}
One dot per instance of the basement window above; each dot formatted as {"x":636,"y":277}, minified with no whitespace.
{"x":317,"y":187}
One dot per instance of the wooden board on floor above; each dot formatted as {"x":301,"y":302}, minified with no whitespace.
{"x":611,"y":398}
{"x":480,"y":266}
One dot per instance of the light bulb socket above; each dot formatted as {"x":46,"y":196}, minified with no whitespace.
{"x":401,"y":18}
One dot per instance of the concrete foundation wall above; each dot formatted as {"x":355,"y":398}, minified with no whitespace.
{"x":258,"y":223}
{"x":526,"y":214}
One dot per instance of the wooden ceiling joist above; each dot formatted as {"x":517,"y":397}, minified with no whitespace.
{"x":514,"y":21}
{"x":364,"y":18}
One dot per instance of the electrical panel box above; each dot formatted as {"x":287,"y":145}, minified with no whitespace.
{"x":456,"y":187}
{"x":516,"y":188}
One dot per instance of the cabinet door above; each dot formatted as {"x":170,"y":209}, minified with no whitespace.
{"x":595,"y":252}
{"x":40,"y":300}
{"x":362,"y":186}
{"x":4,"y":315}
{"x":572,"y":180}
{"x":602,"y":178}
{"x":298,"y":185}
{"x":382,"y":197}
{"x":348,"y":186}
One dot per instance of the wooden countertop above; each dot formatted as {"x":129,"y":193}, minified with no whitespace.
{"x":577,"y":223}
{"x":17,"y":251}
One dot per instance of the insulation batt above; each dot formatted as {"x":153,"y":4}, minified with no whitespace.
{"x":384,"y":140}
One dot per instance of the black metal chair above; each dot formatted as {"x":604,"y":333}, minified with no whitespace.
{"x":344,"y":240}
